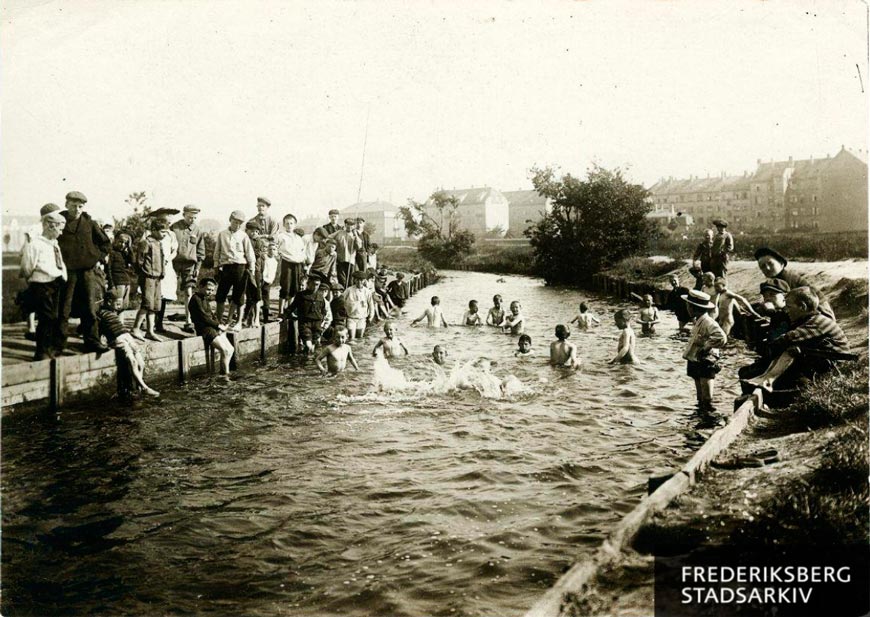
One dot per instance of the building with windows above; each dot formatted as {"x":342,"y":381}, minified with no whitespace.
{"x":828,"y":194}
{"x":383,"y":216}
{"x":480,"y":210}
{"x":699,"y":200}
{"x":525,"y":208}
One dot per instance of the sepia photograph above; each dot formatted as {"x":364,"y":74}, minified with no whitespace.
{"x":506,"y":308}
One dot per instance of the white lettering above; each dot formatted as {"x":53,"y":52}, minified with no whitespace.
{"x":848,"y":576}
{"x":805,"y":598}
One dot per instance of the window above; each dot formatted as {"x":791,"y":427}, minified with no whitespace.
{"x":794,"y":212}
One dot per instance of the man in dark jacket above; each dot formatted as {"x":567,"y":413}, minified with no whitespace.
{"x":82,"y":244}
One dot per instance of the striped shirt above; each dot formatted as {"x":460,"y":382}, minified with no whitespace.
{"x":815,"y":331}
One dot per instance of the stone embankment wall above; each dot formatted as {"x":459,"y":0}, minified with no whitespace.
{"x":93,"y":377}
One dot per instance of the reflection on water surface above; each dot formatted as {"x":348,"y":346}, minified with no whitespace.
{"x":283,"y":492}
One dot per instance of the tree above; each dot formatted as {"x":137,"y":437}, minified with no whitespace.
{"x":134,"y":224}
{"x":593,"y":224}
{"x":437,"y":226}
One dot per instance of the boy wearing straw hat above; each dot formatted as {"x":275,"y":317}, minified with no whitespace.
{"x":702,"y":350}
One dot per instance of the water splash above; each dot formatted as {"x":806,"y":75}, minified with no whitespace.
{"x":470,"y":375}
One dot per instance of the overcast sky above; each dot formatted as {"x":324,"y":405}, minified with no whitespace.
{"x":216,"y":103}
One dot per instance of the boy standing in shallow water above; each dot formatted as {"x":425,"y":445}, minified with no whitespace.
{"x":649,"y":316}
{"x":702,"y":349}
{"x":584,"y":319}
{"x":513,"y":322}
{"x":337,"y":354}
{"x":563,"y":353}
{"x":433,"y":315}
{"x":496,"y":313}
{"x":390,"y":343}
{"x":625,"y":347}
{"x":472,"y":317}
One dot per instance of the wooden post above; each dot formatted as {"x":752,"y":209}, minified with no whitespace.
{"x":183,"y":363}
{"x":55,"y":385}
{"x":234,"y":360}
{"x":262,"y":343}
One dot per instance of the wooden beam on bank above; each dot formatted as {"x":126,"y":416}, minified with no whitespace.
{"x":556,"y":601}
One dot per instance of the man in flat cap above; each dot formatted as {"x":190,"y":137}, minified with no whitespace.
{"x":43,"y":268}
{"x":188,"y":260}
{"x":334,"y":223}
{"x":83,"y":245}
{"x":723,"y":246}
{"x":235,"y":260}
{"x":347,"y":243}
{"x":266,"y":225}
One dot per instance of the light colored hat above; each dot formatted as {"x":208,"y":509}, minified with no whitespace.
{"x":191,"y":208}
{"x":698,"y":298}
{"x":54,"y":216}
{"x":238,"y":215}
{"x":264,"y":200}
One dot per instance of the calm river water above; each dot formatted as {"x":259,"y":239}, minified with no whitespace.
{"x":285,"y":493}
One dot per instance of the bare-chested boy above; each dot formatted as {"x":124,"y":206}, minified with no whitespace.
{"x":585,"y":319}
{"x":496,"y":314}
{"x":514,"y":322}
{"x":390,"y":343}
{"x":649,"y":316}
{"x":337,"y":354}
{"x":625,"y":353}
{"x":433,"y":315}
{"x":563,"y":353}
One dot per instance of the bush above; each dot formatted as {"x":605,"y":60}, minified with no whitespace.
{"x":503,"y":260}
{"x":593,"y":224}
{"x":436,"y":225}
{"x":640,"y":268}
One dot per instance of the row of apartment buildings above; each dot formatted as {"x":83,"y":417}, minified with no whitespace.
{"x":481,"y":210}
{"x":826,"y":194}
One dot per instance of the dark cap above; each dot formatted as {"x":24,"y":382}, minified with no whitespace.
{"x":776,"y":286}
{"x":720,"y":222}
{"x":349,"y":221}
{"x":334,"y":211}
{"x":770,"y":252}
{"x":48,"y":208}
{"x":264,"y":201}
{"x":76,"y":196}
{"x":252,"y":225}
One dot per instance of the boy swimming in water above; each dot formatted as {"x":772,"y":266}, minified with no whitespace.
{"x":472,"y":317}
{"x":496,"y":313}
{"x":524,"y":346}
{"x":563,"y":353}
{"x":337,"y":354}
{"x":433,"y":315}
{"x":439,"y":355}
{"x":390,"y":343}
{"x":585,"y":319}
{"x":513,"y":322}
{"x":625,"y":348}
{"x":649,"y":316}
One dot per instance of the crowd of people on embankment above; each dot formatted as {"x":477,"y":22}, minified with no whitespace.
{"x":792,"y":326}
{"x":329,"y":283}
{"x":75,"y":267}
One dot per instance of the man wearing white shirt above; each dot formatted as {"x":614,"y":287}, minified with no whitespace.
{"x":43,"y":268}
{"x":293,"y":254}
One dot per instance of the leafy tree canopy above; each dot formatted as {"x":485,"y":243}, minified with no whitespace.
{"x":593,"y":223}
{"x":437,"y":226}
